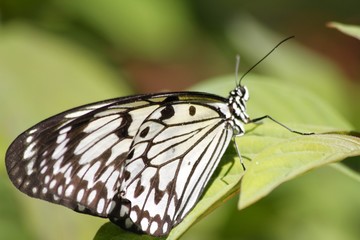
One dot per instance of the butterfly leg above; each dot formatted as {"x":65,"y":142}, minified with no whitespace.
{"x":238,"y":153}
{"x":255,"y":120}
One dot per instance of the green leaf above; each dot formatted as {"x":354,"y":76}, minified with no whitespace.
{"x":284,"y":158}
{"x":351,"y":30}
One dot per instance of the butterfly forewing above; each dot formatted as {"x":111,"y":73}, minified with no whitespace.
{"x":173,"y":156}
{"x":142,"y":161}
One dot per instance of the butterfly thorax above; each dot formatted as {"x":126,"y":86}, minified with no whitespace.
{"x":237,"y":104}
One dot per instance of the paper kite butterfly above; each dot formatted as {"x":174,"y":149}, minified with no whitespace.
{"x":142,"y":161}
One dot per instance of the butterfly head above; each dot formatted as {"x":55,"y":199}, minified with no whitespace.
{"x":240,"y":95}
{"x":237,"y":103}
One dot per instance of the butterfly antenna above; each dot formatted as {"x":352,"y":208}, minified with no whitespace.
{"x":277,"y":45}
{"x":237,"y":68}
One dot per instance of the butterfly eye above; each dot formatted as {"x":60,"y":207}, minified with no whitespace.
{"x":240,"y":91}
{"x":244,"y":93}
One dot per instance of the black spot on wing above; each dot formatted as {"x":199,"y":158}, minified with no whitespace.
{"x":192,"y":110}
{"x":126,"y":175}
{"x":144,"y":132}
{"x":122,"y":131}
{"x":167,"y":112}
{"x":138,"y":189}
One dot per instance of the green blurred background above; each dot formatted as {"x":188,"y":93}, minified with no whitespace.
{"x":58,"y":54}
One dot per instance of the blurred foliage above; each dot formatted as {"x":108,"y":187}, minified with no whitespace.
{"x":57,"y":54}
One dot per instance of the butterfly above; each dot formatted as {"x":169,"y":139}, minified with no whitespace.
{"x":142,"y":161}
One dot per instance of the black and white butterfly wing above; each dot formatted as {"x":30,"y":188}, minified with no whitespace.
{"x":172,"y":157}
{"x":142,"y":161}
{"x":77,"y":158}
